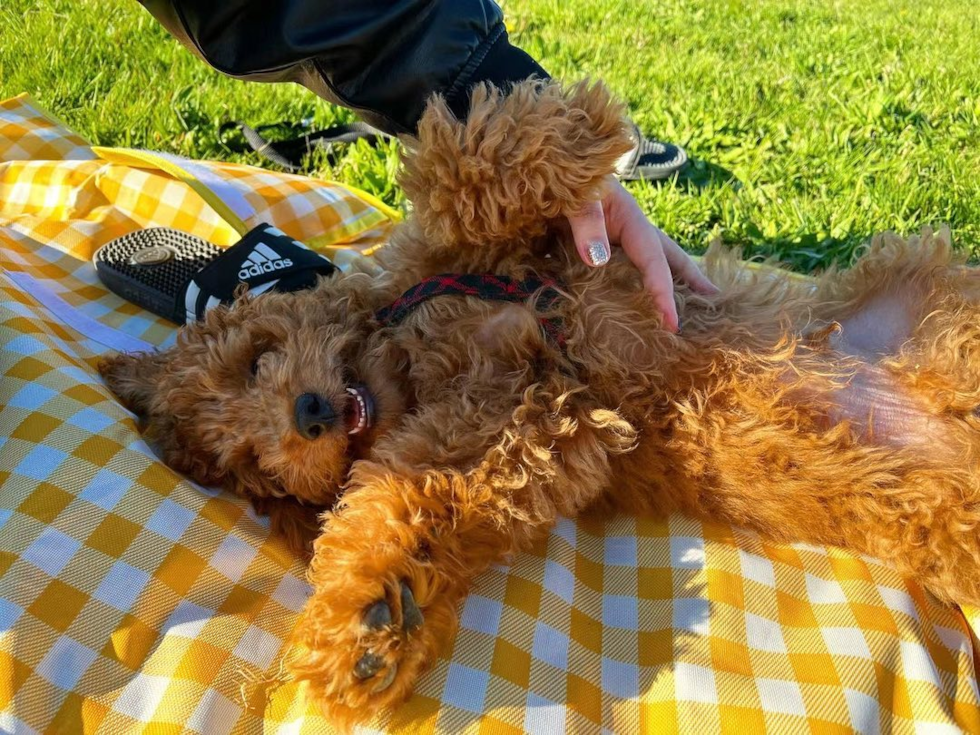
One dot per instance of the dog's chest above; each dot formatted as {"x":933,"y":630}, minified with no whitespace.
{"x":457,"y":344}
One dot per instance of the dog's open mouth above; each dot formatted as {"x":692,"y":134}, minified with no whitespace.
{"x":360,"y":409}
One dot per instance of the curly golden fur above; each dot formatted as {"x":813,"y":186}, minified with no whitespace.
{"x":841,"y":412}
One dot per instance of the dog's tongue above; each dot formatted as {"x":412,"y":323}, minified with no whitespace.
{"x":360,"y":413}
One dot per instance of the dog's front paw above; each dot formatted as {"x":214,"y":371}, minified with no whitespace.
{"x":369,"y":631}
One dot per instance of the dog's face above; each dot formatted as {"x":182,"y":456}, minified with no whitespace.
{"x":274,"y":396}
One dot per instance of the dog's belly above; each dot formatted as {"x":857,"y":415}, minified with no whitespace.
{"x":880,"y":410}
{"x":874,"y":400}
{"x":880,"y":327}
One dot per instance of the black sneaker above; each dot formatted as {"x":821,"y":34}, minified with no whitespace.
{"x":650,"y":160}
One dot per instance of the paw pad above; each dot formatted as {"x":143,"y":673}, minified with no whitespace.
{"x":368,"y":665}
{"x":378,"y":616}
{"x":411,"y":615}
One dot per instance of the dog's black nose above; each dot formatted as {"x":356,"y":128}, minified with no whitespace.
{"x":314,"y":415}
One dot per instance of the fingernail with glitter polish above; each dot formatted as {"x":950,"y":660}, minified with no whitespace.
{"x":598,"y":253}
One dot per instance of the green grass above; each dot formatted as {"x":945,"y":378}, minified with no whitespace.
{"x":812,"y":124}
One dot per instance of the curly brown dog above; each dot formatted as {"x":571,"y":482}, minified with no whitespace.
{"x":841,"y":411}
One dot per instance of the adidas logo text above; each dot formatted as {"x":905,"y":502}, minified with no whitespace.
{"x":262,"y":260}
{"x":257,"y":270}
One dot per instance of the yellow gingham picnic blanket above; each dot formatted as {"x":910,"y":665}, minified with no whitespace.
{"x":134,"y":601}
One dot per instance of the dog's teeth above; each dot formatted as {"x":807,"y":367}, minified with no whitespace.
{"x":363,"y":417}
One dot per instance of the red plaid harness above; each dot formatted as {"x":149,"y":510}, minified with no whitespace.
{"x":485,"y":286}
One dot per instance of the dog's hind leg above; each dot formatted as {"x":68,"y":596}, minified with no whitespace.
{"x":396,"y":558}
{"x":917,"y":509}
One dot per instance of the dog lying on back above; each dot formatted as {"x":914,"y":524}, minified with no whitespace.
{"x":447,"y":432}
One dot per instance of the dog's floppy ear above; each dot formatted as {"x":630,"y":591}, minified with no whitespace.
{"x":133,"y":378}
{"x":536,"y":153}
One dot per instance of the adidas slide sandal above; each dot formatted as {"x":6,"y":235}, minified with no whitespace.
{"x":179,"y":277}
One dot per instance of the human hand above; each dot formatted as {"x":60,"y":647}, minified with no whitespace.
{"x":617,"y":218}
